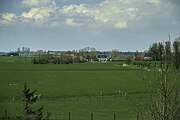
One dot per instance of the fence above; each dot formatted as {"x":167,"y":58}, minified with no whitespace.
{"x":99,"y":96}
{"x":96,"y":95}
{"x":73,"y":116}
{"x":92,"y":116}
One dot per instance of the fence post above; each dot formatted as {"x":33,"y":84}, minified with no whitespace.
{"x":89,"y":97}
{"x":6,"y":114}
{"x":77,"y":98}
{"x":115,"y":97}
{"x":69,"y":116}
{"x":114,"y":116}
{"x":137,"y":116}
{"x":92,"y":116}
{"x":101,"y":94}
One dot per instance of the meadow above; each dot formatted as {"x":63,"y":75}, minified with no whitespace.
{"x":103,"y":89}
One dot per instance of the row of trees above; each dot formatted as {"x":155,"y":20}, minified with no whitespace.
{"x":164,"y":93}
{"x":176,"y":47}
{"x":53,"y":59}
{"x":164,"y":96}
{"x":164,"y":51}
{"x":56,"y":60}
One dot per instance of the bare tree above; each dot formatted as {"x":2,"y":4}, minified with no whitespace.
{"x":165,"y":97}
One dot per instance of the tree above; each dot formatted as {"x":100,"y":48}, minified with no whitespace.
{"x":165,"y":101}
{"x":30,"y":98}
{"x":153,"y":50}
{"x":160,"y":51}
{"x":114,"y":54}
{"x":167,"y":51}
{"x":176,"y":54}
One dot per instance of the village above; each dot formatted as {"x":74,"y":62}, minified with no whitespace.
{"x":88,"y":54}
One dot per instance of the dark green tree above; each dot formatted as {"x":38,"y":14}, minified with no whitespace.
{"x":30,"y":98}
{"x":154,"y":51}
{"x":176,"y":53}
{"x":160,"y":51}
{"x":167,"y":52}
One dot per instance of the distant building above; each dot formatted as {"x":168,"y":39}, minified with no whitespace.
{"x":122,"y":57}
{"x":102,"y":57}
{"x":140,"y":56}
{"x":126,"y":57}
{"x":13,"y":54}
{"x":88,"y":58}
{"x":58,"y":53}
{"x":3,"y":54}
{"x":147,"y":56}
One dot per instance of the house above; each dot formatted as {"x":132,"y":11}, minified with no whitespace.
{"x":88,"y":58}
{"x":147,"y":56}
{"x":126,"y":57}
{"x":13,"y":54}
{"x":57,"y":53}
{"x":122,"y":57}
{"x":102,"y":57}
{"x":3,"y":54}
{"x":130,"y":57}
{"x":140,"y":56}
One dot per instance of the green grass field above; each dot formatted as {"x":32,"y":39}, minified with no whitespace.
{"x":103,"y":89}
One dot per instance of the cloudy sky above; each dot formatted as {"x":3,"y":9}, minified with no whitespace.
{"x":126,"y":25}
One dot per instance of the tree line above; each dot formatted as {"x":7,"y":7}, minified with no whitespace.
{"x":68,"y":57}
{"x":164,"y":51}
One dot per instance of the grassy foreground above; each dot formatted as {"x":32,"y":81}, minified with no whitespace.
{"x":103,"y":89}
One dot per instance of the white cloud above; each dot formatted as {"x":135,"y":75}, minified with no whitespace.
{"x":111,"y":13}
{"x":37,"y":3}
{"x":155,"y":2}
{"x":121,"y":14}
{"x":121,"y":25}
{"x":7,"y":18}
{"x":75,"y":8}
{"x":69,"y":21}
{"x":132,"y":12}
{"x":39,"y":13}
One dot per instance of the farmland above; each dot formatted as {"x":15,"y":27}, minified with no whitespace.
{"x":103,"y":89}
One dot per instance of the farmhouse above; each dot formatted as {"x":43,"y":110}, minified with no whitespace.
{"x":147,"y":56}
{"x":3,"y":54}
{"x":89,"y":58}
{"x":58,"y":53}
{"x":13,"y":54}
{"x":126,"y":57}
{"x":102,"y":57}
{"x":140,"y":56}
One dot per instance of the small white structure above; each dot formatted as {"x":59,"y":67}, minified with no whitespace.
{"x":160,"y":70}
{"x":147,"y":58}
{"x":125,"y":65}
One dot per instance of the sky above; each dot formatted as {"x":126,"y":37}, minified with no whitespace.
{"x":125,"y":25}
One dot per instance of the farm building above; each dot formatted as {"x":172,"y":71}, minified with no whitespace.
{"x":13,"y":54}
{"x":102,"y":57}
{"x":126,"y":57}
{"x":140,"y":56}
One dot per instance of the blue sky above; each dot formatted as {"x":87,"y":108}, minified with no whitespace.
{"x":126,"y":25}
